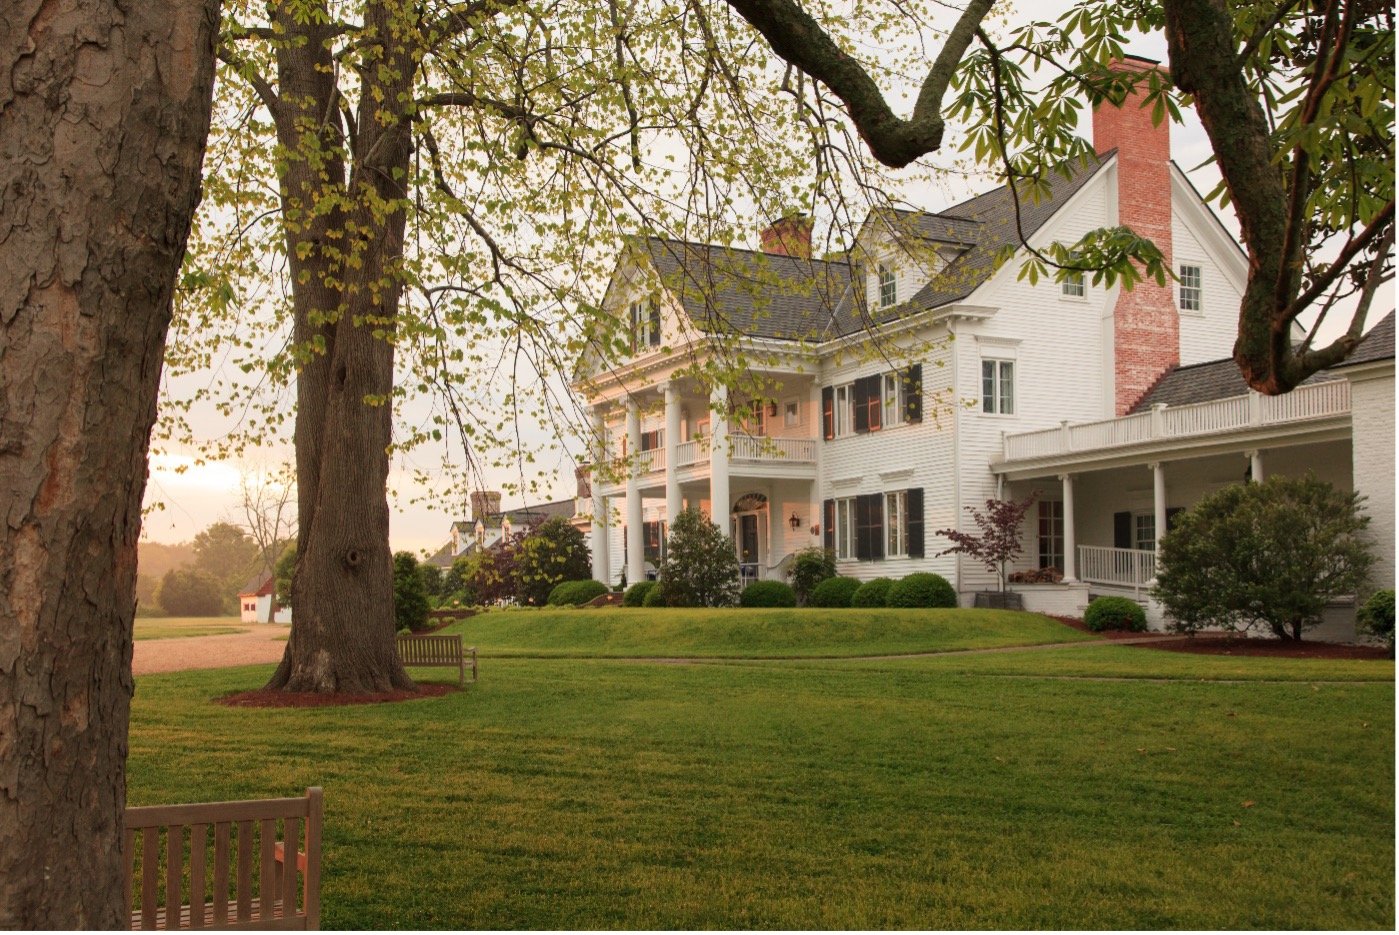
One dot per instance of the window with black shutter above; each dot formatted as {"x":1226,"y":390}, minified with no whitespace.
{"x":860,"y":406}
{"x":913,"y":393}
{"x":828,"y":413}
{"x":655,"y":308}
{"x":869,"y":526}
{"x":915,"y":522}
{"x":828,"y":508}
{"x":650,"y":441}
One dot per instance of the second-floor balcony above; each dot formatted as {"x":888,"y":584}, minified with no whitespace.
{"x":749,"y":455}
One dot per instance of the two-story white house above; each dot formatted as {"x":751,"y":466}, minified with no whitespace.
{"x":911,"y":376}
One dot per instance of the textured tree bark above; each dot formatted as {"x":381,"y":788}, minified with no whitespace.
{"x":342,"y":637}
{"x":104,"y":109}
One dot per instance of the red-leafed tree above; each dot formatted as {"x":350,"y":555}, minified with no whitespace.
{"x":999,"y":542}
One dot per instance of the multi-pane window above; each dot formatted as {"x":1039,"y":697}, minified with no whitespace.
{"x":896,"y":524}
{"x":646,"y":323}
{"x":844,"y":399}
{"x":1051,"y":534}
{"x":1072,"y":285}
{"x":894,"y":398}
{"x":845,"y":527}
{"x":888,"y":287}
{"x":1191,"y":293}
{"x":998,"y":386}
{"x":791,"y":413}
{"x":1144,"y":531}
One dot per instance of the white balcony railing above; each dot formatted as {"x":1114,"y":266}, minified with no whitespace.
{"x":759,"y":448}
{"x":1317,"y":401}
{"x":649,"y":461}
{"x":1123,"y":568}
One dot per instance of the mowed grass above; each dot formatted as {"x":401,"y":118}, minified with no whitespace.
{"x":922,"y":793}
{"x":165,"y":628}
{"x":685,"y":632}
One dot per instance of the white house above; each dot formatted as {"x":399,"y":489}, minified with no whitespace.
{"x":912,"y":376}
{"x":490,"y":524}
{"x":255,"y":601}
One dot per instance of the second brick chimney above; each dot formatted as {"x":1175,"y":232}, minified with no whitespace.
{"x":484,"y":503}
{"x":788,"y":236}
{"x":1146,"y":324}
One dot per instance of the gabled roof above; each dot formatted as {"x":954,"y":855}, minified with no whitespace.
{"x":258,"y":585}
{"x":521,"y":516}
{"x":762,"y":295}
{"x":1220,"y":379}
{"x":443,"y":557}
{"x":987,"y":225}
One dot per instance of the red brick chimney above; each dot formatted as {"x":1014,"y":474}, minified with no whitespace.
{"x":788,"y":236}
{"x":1146,"y":324}
{"x":484,"y":503}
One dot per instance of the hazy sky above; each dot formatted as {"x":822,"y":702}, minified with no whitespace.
{"x":193,"y":495}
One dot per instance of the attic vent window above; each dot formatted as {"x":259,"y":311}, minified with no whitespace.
{"x":888,"y":287}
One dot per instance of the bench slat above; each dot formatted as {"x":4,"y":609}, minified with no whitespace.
{"x":197,"y":841}
{"x":160,"y":816}
{"x":245,"y":871}
{"x":150,"y":876}
{"x":266,"y":884}
{"x":221,"y":874}
{"x":291,"y":842}
{"x":174,"y":864}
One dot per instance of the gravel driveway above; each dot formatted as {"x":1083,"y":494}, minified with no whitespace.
{"x":262,"y":643}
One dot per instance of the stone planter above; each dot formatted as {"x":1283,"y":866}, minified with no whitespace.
{"x":999,"y":600}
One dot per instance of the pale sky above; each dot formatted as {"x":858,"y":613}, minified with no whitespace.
{"x":192,"y":495}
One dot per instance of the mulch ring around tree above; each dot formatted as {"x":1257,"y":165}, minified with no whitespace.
{"x":262,"y":698}
{"x":1223,"y":644}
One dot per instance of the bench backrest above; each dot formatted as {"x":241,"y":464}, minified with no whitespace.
{"x":430,"y":650}
{"x":182,"y":887}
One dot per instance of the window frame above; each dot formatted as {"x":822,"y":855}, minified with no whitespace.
{"x":895,"y":408}
{"x":1000,"y":399}
{"x":791,"y":413}
{"x":1074,"y":285}
{"x":896,"y":524}
{"x":1054,"y":536}
{"x":845,"y":528}
{"x":1144,"y":522}
{"x":843,"y":411}
{"x":886,"y":286}
{"x":1190,"y":297}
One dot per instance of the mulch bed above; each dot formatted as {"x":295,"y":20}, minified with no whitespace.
{"x":1219,"y":644}
{"x":279,"y":699}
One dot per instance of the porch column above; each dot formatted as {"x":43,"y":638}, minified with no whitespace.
{"x":636,"y":558}
{"x":1158,"y":477}
{"x":602,"y":565}
{"x":1070,"y":546}
{"x":719,"y":504}
{"x":1255,"y":466}
{"x":672,"y":442}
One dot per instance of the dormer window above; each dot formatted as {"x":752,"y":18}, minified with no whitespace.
{"x":646,"y":324}
{"x":888,"y":286}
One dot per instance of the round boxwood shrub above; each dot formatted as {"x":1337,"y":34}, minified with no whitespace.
{"x":1376,"y":616}
{"x":921,"y":589}
{"x":635,"y":595}
{"x":834,"y":592}
{"x":655,"y":595}
{"x":873,"y":593}
{"x":576,"y":592}
{"x":768,"y":594}
{"x":1114,"y":613}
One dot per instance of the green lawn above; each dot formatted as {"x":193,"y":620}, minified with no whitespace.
{"x":625,"y":631}
{"x":165,"y":628}
{"x":953,"y":792}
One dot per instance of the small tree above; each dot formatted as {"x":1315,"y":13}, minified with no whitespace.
{"x":491,"y":574}
{"x":554,"y":552}
{"x":409,"y":595}
{"x":1269,"y":554}
{"x":809,"y":568}
{"x":282,"y":573}
{"x":432,"y":580}
{"x":189,"y":592}
{"x":700,"y":567}
{"x":998,"y":543}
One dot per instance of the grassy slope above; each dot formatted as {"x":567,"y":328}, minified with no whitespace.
{"x":922,"y":793}
{"x":164,"y":628}
{"x":617,"y":631}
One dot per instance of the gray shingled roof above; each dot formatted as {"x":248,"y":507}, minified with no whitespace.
{"x":732,"y":291}
{"x":522,"y":515}
{"x":1220,"y":379}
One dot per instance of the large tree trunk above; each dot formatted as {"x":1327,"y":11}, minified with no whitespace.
{"x":342,"y":637}
{"x":104,"y":109}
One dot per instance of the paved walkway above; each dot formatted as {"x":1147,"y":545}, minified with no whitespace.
{"x":262,"y":643}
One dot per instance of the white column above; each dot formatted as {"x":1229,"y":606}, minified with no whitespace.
{"x":1255,"y":466}
{"x":602,"y":565}
{"x":1158,"y":476}
{"x":636,"y":554}
{"x":672,"y":441}
{"x":719,"y":503}
{"x":1070,"y":545}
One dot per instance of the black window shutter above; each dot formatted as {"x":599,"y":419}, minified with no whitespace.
{"x":655,"y":321}
{"x":1171,"y":513}
{"x":829,"y":526}
{"x":913,"y":394}
{"x":914,"y":530}
{"x":862,"y":528}
{"x":876,"y":525}
{"x":860,"y":390}
{"x":634,"y":314}
{"x":1122,"y":530}
{"x":828,"y":413}
{"x":875,"y":400}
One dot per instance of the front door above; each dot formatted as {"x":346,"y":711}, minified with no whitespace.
{"x":747,"y":540}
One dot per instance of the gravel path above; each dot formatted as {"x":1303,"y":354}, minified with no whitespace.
{"x":261,"y":643}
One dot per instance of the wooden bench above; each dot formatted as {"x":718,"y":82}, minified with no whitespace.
{"x":437,"y":650}
{"x":172,"y":898}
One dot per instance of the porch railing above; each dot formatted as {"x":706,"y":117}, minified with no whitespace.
{"x":1122,"y":568}
{"x":1316,"y":401}
{"x":652,"y":460}
{"x":762,"y":448}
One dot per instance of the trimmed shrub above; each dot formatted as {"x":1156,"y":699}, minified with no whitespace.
{"x":700,"y":567}
{"x":1114,"y":613}
{"x":921,"y":589}
{"x":873,"y":593}
{"x":635,"y":596}
{"x":574,"y":593}
{"x":834,"y":592}
{"x":656,"y":597}
{"x":809,"y":568}
{"x":768,"y":594}
{"x":1376,"y":616}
